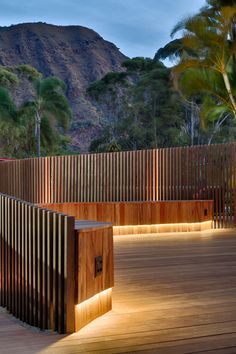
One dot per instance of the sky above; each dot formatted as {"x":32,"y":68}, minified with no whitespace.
{"x":137,"y":27}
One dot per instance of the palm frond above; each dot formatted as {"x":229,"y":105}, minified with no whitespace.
{"x":8,"y":109}
{"x":180,"y":26}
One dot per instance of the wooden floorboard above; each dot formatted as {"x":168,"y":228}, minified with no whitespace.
{"x":174,"y":293}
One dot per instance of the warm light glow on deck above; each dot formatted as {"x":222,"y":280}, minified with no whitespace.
{"x":95,"y":297}
{"x":159,"y":228}
{"x":92,"y":308}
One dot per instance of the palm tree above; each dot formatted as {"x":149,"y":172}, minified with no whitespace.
{"x":8,"y":110}
{"x":49,"y":109}
{"x":10,"y":128}
{"x":206,"y":55}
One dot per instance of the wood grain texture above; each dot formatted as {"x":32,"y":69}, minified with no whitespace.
{"x":37,"y":279}
{"x":190,"y":214}
{"x":47,"y":269}
{"x":161,"y":228}
{"x":185,"y":173}
{"x":93,"y":295}
{"x":174,"y":294}
{"x":93,"y":308}
{"x":90,"y":244}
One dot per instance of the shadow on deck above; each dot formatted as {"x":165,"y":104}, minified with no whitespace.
{"x":174,"y":293}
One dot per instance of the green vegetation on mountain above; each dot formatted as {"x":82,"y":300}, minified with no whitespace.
{"x":141,"y":108}
{"x":140,"y":104}
{"x":40,"y":122}
{"x":76,"y":55}
{"x":48,"y":114}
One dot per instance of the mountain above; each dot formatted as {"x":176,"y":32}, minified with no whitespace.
{"x":75,"y":54}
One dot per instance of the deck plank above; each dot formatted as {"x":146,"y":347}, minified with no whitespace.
{"x":173,"y":293}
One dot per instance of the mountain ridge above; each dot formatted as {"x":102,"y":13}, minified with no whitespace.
{"x":78,"y":55}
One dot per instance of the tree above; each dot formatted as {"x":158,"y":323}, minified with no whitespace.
{"x":8,"y":117}
{"x":45,"y":117}
{"x":206,"y":54}
{"x":109,"y":94}
{"x":142,"y":109}
{"x":48,"y":112}
{"x":155,"y":106}
{"x":10,"y":129}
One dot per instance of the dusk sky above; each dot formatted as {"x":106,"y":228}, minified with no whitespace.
{"x":137,"y":27}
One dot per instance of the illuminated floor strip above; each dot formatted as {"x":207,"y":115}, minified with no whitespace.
{"x":174,"y":227}
{"x":92,"y":308}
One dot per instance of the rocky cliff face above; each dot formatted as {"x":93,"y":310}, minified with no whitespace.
{"x":75,"y":54}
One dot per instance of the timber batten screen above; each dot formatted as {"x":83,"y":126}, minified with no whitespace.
{"x":185,"y":173}
{"x":37,"y":265}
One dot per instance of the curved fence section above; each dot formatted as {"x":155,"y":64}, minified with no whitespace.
{"x":185,"y":173}
{"x":37,"y":265}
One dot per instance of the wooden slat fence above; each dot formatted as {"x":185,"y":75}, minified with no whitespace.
{"x":199,"y":172}
{"x":36,"y":263}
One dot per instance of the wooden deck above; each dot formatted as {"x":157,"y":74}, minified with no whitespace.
{"x":173,"y":294}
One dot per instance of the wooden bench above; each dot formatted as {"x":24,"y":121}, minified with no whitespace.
{"x":94,"y":271}
{"x":144,"y":217}
{"x":55,"y":274}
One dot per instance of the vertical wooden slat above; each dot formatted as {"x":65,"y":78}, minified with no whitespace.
{"x":231,"y":189}
{"x":69,"y":248}
{"x":223,"y":184}
{"x":160,"y":175}
{"x":172,"y":173}
{"x":13,"y":235}
{"x":37,"y":264}
{"x":217,"y":181}
{"x":26,"y":262}
{"x":31,"y":261}
{"x":234,"y":183}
